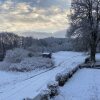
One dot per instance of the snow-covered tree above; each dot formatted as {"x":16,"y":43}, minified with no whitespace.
{"x":85,"y":23}
{"x":16,"y":55}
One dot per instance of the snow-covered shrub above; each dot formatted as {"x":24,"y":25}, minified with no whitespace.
{"x":45,"y":95}
{"x":27,"y":99}
{"x":61,"y":78}
{"x":19,"y":67}
{"x":54,"y":89}
{"x":32,"y":63}
{"x":30,"y":55}
{"x":87,"y":60}
{"x":75,"y":69}
{"x":16,"y":55}
{"x":70,"y":73}
{"x":4,"y":65}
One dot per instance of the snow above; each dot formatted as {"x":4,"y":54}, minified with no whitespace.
{"x":4,"y":65}
{"x":63,"y":58}
{"x":31,"y":63}
{"x":16,"y":55}
{"x":84,"y":85}
{"x":98,"y":57}
{"x":16,"y":86}
{"x":45,"y":53}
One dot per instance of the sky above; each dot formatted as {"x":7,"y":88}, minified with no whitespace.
{"x":34,"y":15}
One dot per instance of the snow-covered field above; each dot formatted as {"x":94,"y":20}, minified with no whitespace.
{"x":84,"y":85}
{"x":16,"y":86}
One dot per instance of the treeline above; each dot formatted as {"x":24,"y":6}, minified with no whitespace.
{"x":51,"y":44}
{"x":10,"y":41}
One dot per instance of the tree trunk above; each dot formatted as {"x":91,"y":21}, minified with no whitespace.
{"x":93,"y":52}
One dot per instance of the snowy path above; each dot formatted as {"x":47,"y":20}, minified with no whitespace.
{"x":31,"y":87}
{"x":84,"y":85}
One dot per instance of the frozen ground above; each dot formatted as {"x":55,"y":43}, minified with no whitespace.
{"x":16,"y":86}
{"x":84,"y":85}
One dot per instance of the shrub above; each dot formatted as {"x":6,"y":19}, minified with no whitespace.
{"x":54,"y":89}
{"x":87,"y":60}
{"x":4,"y":65}
{"x":30,"y":55}
{"x":16,"y":55}
{"x":75,"y":69}
{"x":70,"y":74}
{"x":32,"y":63}
{"x":20,"y":67}
{"x":45,"y":95}
{"x":62,"y":78}
{"x":27,"y":99}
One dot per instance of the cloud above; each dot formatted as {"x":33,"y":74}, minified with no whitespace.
{"x":43,"y":15}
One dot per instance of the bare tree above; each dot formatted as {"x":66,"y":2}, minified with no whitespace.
{"x":85,"y":23}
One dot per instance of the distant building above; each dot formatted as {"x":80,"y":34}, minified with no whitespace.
{"x":47,"y":55}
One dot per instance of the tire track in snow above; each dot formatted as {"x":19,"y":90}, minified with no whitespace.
{"x":64,"y":61}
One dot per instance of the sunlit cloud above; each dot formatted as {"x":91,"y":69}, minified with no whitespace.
{"x":22,"y":16}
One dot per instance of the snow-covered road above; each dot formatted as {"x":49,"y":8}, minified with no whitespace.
{"x":31,"y":87}
{"x":84,"y":85}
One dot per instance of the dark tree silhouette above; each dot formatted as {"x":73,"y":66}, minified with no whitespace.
{"x":85,"y":23}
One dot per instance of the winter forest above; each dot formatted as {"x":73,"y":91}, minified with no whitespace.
{"x":49,"y":49}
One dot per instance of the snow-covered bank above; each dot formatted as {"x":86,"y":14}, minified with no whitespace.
{"x":84,"y":85}
{"x":98,"y":57}
{"x":17,"y":88}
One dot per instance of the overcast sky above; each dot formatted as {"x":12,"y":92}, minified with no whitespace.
{"x":33,"y":15}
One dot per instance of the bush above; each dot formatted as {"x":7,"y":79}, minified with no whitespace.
{"x":75,"y":69}
{"x":27,"y":99}
{"x":4,"y":65}
{"x":70,"y":74}
{"x":32,"y":63}
{"x":62,"y":78}
{"x":54,"y":89}
{"x":45,"y":95}
{"x":16,"y":55}
{"x":30,"y":55}
{"x":19,"y":67}
{"x":87,"y":60}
